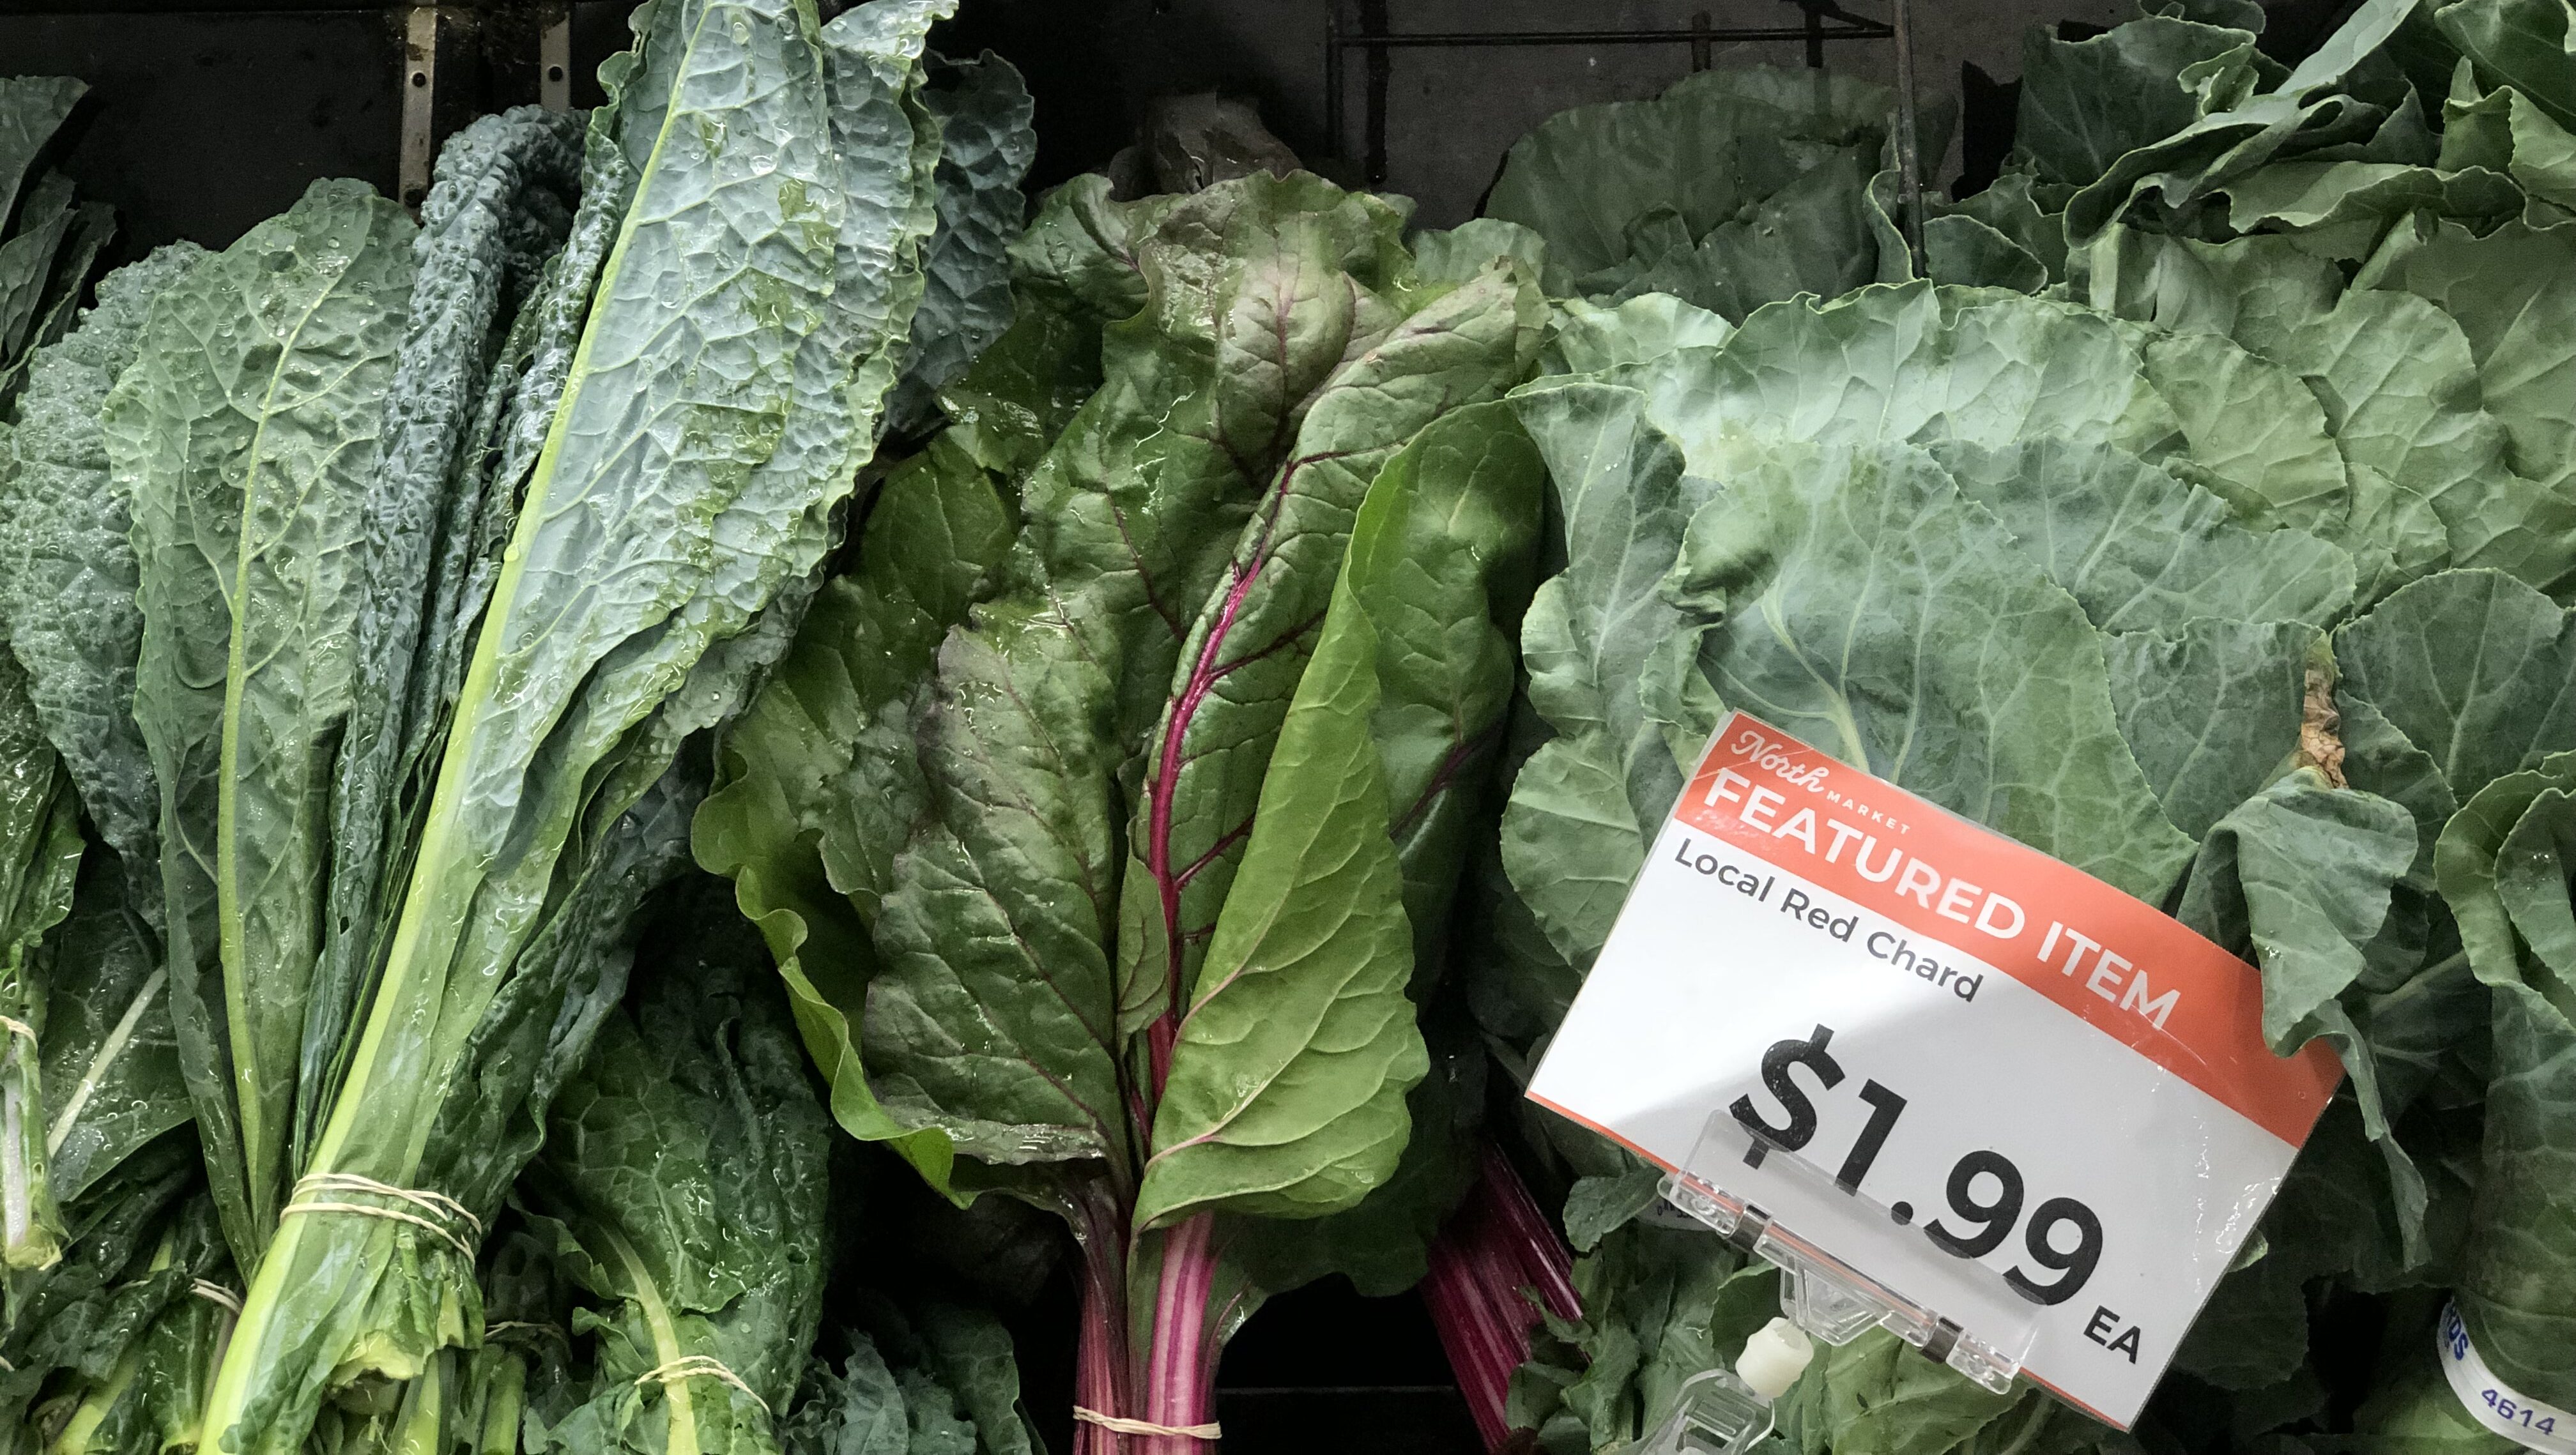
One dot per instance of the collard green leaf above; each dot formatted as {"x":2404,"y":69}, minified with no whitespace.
{"x":1573,"y":835}
{"x":2212,"y":710}
{"x":2502,"y":863}
{"x":245,"y":437}
{"x":1912,"y":363}
{"x":2303,"y":871}
{"x":1707,"y":148}
{"x":2508,"y":292}
{"x":2253,"y":432}
{"x":2140,"y":549}
{"x":1932,"y":678}
{"x":2518,"y":43}
{"x":2087,"y":103}
{"x":1591,"y":338}
{"x":2474,"y":669}
{"x":1876,"y":1393}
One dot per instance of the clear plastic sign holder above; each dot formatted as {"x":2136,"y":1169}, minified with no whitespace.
{"x":1830,"y":1299}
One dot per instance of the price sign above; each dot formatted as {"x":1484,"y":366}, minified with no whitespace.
{"x":1982,"y":1078}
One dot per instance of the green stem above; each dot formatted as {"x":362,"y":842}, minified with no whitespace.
{"x":422,"y":1428}
{"x":666,"y":1344}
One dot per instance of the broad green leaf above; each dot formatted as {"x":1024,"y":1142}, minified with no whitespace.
{"x":2506,"y":131}
{"x":1811,"y":236}
{"x":1872,"y":611}
{"x":2237,"y":131}
{"x":2473,"y":668}
{"x":1383,"y":1244}
{"x":2303,"y":870}
{"x":1573,"y":834}
{"x":1913,"y":363}
{"x":1572,"y":845}
{"x":1623,"y":503}
{"x":1443,"y":574}
{"x":2520,"y":43}
{"x":2509,"y":293}
{"x":1286,"y":1090}
{"x":2087,"y":103}
{"x":994,"y":1018}
{"x":1707,"y":148}
{"x":2253,"y":1331}
{"x":1591,"y":338}
{"x":2254,"y":434}
{"x":1961,"y":249}
{"x":1299,"y":1028}
{"x":819,"y":789}
{"x":2212,"y":710}
{"x":1457,"y":254}
{"x":2140,"y":549}
{"x":1208,"y":761}
{"x":245,"y":437}
{"x":1878,"y":1394}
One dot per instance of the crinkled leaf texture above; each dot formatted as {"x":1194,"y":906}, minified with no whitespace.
{"x":684,"y":1181}
{"x":764,"y":191}
{"x":245,"y":437}
{"x":67,"y":591}
{"x":985,"y":147}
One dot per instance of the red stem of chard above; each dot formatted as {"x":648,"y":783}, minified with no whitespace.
{"x":1492,"y":1269}
{"x":1180,"y":1377}
{"x":1100,"y":1377}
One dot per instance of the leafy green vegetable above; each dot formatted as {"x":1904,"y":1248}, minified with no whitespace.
{"x":700,"y":375}
{"x":683,"y":1188}
{"x":47,"y":255}
{"x":69,"y":588}
{"x":1884,"y":523}
{"x":1733,"y":189}
{"x":1244,"y":598}
{"x":40,"y":854}
{"x":985,"y":147}
{"x":244,"y":438}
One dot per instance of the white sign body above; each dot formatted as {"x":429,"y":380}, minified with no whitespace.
{"x":2022,"y":1099}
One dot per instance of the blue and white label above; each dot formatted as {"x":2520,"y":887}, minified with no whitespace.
{"x":2491,"y":1402}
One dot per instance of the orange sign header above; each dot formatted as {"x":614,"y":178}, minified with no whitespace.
{"x":2131,"y":972}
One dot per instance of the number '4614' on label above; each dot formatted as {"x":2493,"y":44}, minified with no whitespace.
{"x":1988,"y":1081}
